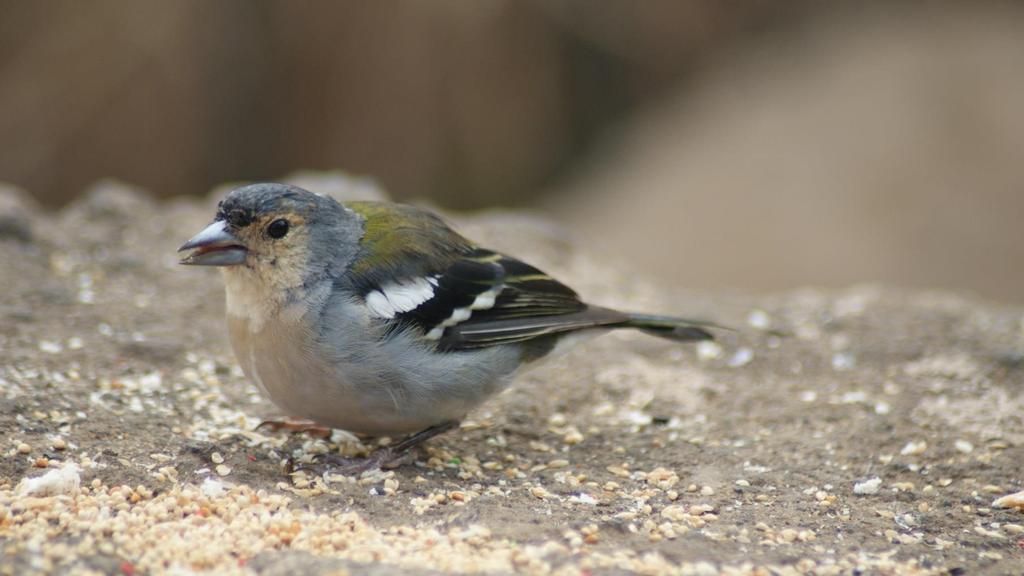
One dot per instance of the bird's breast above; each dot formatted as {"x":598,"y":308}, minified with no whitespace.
{"x":344,"y":378}
{"x":282,"y":358}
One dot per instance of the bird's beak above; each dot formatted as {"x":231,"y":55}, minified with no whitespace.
{"x":214,"y":246}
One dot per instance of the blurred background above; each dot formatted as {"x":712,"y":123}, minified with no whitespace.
{"x":755,"y":145}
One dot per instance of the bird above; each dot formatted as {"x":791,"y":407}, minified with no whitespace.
{"x":378,"y":318}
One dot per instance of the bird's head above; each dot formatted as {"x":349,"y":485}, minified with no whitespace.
{"x":276,"y":233}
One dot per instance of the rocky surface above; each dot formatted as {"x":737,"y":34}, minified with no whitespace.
{"x":864,"y":430}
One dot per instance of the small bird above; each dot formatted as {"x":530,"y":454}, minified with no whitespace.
{"x":378,"y":318}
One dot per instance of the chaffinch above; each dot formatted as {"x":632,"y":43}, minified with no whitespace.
{"x":378,"y":318}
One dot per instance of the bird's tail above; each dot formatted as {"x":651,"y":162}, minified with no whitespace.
{"x":678,"y":329}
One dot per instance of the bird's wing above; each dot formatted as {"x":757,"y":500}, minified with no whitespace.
{"x":481,"y":299}
{"x":429,"y":278}
{"x":402,"y":242}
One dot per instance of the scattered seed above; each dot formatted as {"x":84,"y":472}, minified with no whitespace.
{"x":708,"y":350}
{"x":867,"y":487}
{"x":914,"y":448}
{"x":572,"y":437}
{"x":1015,"y":500}
{"x":759,"y":320}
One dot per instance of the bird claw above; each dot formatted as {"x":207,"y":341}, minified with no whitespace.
{"x":388,"y":457}
{"x":381,"y":459}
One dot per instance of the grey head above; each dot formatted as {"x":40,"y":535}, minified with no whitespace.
{"x":277,"y":230}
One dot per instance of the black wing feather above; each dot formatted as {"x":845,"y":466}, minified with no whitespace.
{"x":470,"y":335}
{"x":457,"y":287}
{"x":522,"y":295}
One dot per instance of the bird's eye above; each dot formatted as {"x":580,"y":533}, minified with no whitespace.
{"x":278,"y":228}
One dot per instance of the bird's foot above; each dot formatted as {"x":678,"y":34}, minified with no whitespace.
{"x":386,"y":458}
{"x":296,"y":426}
{"x":381,"y":459}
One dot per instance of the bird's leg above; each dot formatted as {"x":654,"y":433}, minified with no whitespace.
{"x":295,"y":426}
{"x":387,"y":457}
{"x":420,"y":437}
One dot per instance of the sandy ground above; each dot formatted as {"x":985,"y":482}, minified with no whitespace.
{"x":858,"y":431}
